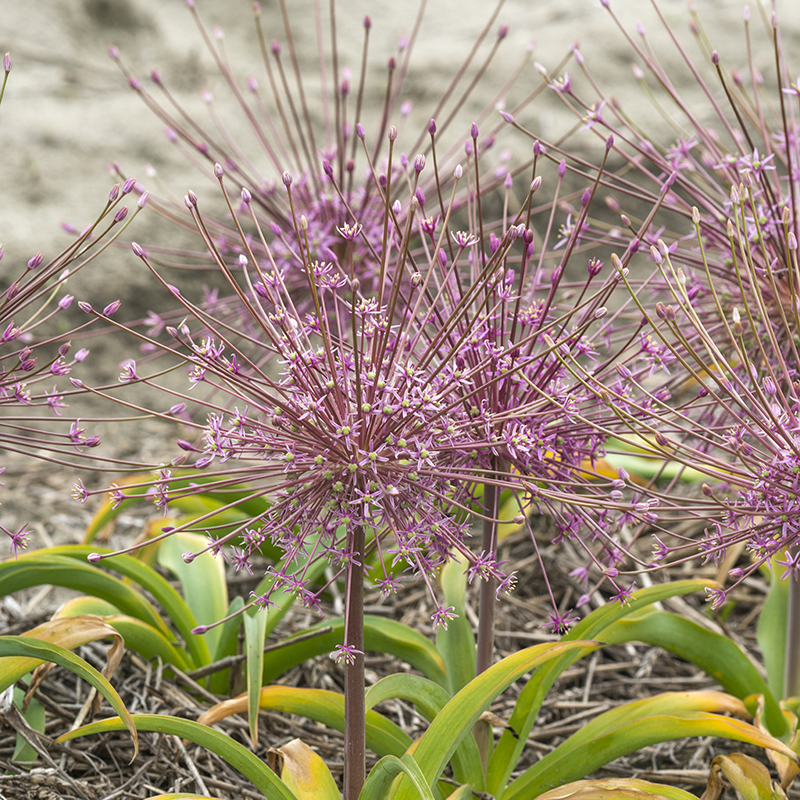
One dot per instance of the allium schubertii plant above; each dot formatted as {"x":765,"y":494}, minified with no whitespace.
{"x":389,"y":364}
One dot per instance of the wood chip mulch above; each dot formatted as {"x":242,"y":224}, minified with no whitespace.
{"x":99,"y":768}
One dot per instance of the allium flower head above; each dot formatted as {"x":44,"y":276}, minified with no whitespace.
{"x":714,"y":217}
{"x":35,"y":353}
{"x":387,"y":342}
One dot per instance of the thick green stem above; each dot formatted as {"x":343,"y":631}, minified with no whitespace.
{"x":355,"y":726}
{"x":791,"y":677}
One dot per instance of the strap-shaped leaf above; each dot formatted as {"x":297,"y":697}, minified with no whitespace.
{"x":771,"y":631}
{"x":615,"y":789}
{"x":259,"y":624}
{"x":455,"y":721}
{"x":381,"y":635}
{"x":140,"y":637}
{"x":181,"y":796}
{"x":456,"y":643}
{"x":747,"y":776}
{"x":386,"y":770}
{"x":233,"y":753}
{"x":167,"y":596}
{"x":509,"y":749}
{"x":602,"y":743}
{"x":28,"y":647}
{"x":30,"y":570}
{"x":718,"y":656}
{"x":305,"y":773}
{"x":68,"y":634}
{"x":429,"y":699}
{"x":205,"y":589}
{"x":383,"y":736}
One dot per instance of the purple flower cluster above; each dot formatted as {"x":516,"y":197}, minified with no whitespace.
{"x":35,"y":353}
{"x":711,"y":220}
{"x":389,"y":357}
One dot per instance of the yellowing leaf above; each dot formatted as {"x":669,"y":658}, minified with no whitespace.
{"x":304,"y":772}
{"x":750,"y":779}
{"x":616,"y":789}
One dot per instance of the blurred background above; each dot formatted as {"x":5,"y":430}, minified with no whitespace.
{"x":69,"y":113}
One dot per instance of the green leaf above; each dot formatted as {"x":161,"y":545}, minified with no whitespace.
{"x":28,"y":647}
{"x":34,"y":716}
{"x":429,"y":699}
{"x":627,"y":729}
{"x":233,"y":753}
{"x":259,"y":624}
{"x":383,"y":736}
{"x":205,"y":589}
{"x":381,"y":635}
{"x":509,"y":749}
{"x":254,"y":635}
{"x":716,"y":655}
{"x":382,"y":775}
{"x":771,"y":631}
{"x":140,"y":637}
{"x":173,"y":604}
{"x":219,"y":682}
{"x":455,"y":721}
{"x":232,"y":505}
{"x":457,"y":643}
{"x":40,"y":570}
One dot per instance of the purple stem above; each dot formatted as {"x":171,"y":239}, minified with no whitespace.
{"x":355,"y":726}
{"x":488,"y":586}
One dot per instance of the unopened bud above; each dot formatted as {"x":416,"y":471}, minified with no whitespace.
{"x":738,"y":329}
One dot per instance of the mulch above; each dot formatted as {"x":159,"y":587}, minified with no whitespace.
{"x":98,"y":768}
